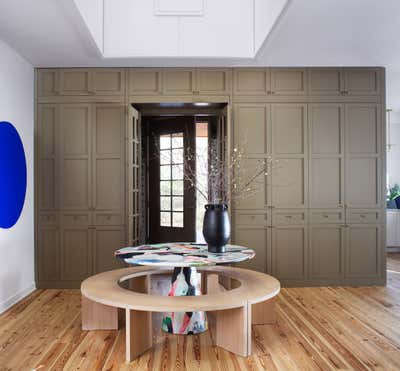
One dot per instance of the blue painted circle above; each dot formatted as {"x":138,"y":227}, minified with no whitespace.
{"x":12,"y":175}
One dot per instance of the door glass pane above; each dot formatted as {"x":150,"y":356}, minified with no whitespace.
{"x":165,"y":219}
{"x":177,"y":140}
{"x":177,"y":172}
{"x":177,"y":220}
{"x":165,"y":188}
{"x":165,"y":141}
{"x":171,"y":180}
{"x":165,"y":203}
{"x":177,"y":203}
{"x":165,"y":172}
{"x":177,"y":187}
{"x":177,"y":156}
{"x":165,"y":157}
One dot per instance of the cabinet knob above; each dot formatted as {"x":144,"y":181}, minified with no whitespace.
{"x":76,"y":217}
{"x":325,"y":216}
{"x":288,"y":216}
{"x":108,"y":217}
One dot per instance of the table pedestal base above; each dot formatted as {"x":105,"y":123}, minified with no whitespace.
{"x":185,"y":283}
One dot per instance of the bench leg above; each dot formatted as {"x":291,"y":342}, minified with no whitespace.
{"x":96,"y":316}
{"x":233,"y":330}
{"x":263,"y":313}
{"x":138,"y":333}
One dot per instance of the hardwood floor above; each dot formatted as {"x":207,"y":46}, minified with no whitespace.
{"x":317,"y":329}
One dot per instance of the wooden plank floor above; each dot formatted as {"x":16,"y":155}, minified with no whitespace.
{"x":317,"y":329}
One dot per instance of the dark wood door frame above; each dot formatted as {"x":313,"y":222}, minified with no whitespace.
{"x":169,"y":125}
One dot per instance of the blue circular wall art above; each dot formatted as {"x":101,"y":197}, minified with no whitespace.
{"x":12,"y":175}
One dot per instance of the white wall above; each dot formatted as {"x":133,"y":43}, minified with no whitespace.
{"x":17,"y":243}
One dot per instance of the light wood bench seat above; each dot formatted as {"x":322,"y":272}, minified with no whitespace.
{"x":230,"y":311}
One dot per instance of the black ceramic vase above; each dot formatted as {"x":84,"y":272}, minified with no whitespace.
{"x":216,"y":227}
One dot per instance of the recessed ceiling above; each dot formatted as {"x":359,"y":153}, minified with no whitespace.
{"x":180,"y":28}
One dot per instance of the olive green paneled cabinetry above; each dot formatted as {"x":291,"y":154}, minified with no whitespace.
{"x":81,"y":182}
{"x":317,"y":218}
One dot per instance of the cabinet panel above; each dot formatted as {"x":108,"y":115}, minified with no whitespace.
{"x":326,"y":182}
{"x":178,"y":81}
{"x":258,"y":199}
{"x":288,"y":217}
{"x":145,"y":81}
{"x":366,"y":216}
{"x":76,"y":254}
{"x":48,"y":83}
{"x":213,"y":81}
{"x":109,"y":81}
{"x":251,"y":127}
{"x":251,"y":82}
{"x":75,"y":189}
{"x":48,"y":254}
{"x":108,"y":158}
{"x":109,"y":131}
{"x":106,"y":242}
{"x":288,"y":81}
{"x":288,"y":128}
{"x":75,"y":130}
{"x":362,"y":81}
{"x":47,"y":184}
{"x":75,"y":157}
{"x":326,"y":251}
{"x":75,"y":82}
{"x":288,"y":183}
{"x":252,"y":219}
{"x":47,"y":143}
{"x":325,"y":81}
{"x":289,"y":246}
{"x":76,"y":219}
{"x":363,"y":251}
{"x":47,"y":130}
{"x":362,"y":185}
{"x":327,"y":216}
{"x":108,"y":179}
{"x":258,"y":240}
{"x":326,"y":129}
{"x":362,"y":128}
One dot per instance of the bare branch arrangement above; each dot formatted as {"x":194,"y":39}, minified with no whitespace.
{"x":219,"y":179}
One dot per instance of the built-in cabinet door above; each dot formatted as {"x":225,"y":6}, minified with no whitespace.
{"x":326,"y":151}
{"x":289,"y":141}
{"x":48,"y":82}
{"x":288,"y":81}
{"x":251,"y":81}
{"x":289,"y":252}
{"x":48,"y":156}
{"x":363,"y":162}
{"x":179,"y":81}
{"x":145,"y":81}
{"x":213,"y":81}
{"x":251,"y":128}
{"x":76,"y":254}
{"x":325,"y":81}
{"x":105,"y":242}
{"x":108,"y":81}
{"x":108,"y":159}
{"x":364,"y":251}
{"x":48,"y":254}
{"x":76,"y":81}
{"x":362,"y":81}
{"x":326,"y":249}
{"x":75,"y":157}
{"x":258,"y":197}
{"x":257,"y":239}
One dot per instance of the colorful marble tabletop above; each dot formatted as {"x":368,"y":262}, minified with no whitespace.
{"x":182,"y":255}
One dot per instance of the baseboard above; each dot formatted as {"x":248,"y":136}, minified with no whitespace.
{"x":6,"y":304}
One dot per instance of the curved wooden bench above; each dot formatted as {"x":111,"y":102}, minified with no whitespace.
{"x":230,"y":312}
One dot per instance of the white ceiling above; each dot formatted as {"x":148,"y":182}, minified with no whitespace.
{"x":53,"y":33}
